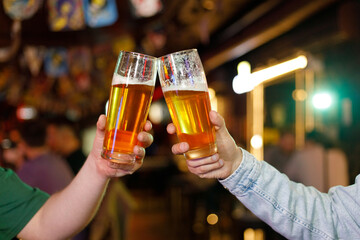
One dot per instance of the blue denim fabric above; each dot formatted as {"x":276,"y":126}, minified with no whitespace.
{"x":292,"y":209}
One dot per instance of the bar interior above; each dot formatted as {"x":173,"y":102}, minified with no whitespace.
{"x":280,"y":72}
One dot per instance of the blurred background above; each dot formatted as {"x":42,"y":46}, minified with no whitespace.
{"x":272,"y":67}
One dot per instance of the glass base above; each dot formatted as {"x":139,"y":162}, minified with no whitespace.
{"x":118,"y":158}
{"x":201,"y":152}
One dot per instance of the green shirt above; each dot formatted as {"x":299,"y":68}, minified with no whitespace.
{"x":18,"y":203}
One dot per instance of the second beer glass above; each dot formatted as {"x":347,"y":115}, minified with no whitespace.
{"x":184,"y":85}
{"x":130,"y":97}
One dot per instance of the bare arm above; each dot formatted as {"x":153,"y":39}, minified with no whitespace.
{"x":67,"y":212}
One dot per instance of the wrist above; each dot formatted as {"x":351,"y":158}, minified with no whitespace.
{"x":95,"y":166}
{"x":237,"y":159}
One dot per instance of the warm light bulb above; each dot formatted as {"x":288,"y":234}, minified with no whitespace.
{"x":156,"y":113}
{"x":212,"y":219}
{"x":241,"y":82}
{"x":299,"y":95}
{"x":26,"y":112}
{"x":256,"y":141}
{"x":249,"y":234}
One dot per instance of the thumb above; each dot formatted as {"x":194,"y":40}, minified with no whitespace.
{"x":219,"y":123}
{"x":101,"y":124}
{"x":100,"y":129}
{"x":99,"y":136}
{"x":217,"y":120}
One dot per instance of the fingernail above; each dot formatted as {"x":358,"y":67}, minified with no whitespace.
{"x":214,"y":157}
{"x":221,"y":162}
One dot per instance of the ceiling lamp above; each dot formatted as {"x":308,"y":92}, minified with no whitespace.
{"x":146,"y":8}
{"x":246,"y":81}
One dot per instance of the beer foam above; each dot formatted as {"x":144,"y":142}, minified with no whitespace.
{"x":117,"y":79}
{"x":202,"y":87}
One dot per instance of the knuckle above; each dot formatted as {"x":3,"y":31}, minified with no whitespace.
{"x":173,"y":149}
{"x":190,"y":163}
{"x":202,"y":175}
{"x":194,"y":170}
{"x":202,"y":169}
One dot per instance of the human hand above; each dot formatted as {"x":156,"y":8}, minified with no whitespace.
{"x":111,"y":169}
{"x":220,"y":165}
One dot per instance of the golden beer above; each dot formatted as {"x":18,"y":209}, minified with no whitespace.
{"x":131,"y":92}
{"x":189,"y":112}
{"x":184,"y":85}
{"x":127,"y":113}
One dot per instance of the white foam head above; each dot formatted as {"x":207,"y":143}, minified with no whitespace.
{"x":197,"y":86}
{"x":117,"y":79}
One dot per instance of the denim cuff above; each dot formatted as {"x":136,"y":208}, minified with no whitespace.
{"x":241,"y":179}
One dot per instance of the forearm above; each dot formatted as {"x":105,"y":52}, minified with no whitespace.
{"x":67,"y":212}
{"x":295,"y":211}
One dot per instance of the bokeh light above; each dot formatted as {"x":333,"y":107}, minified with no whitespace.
{"x":212,"y":219}
{"x":256,"y":141}
{"x":322,"y":100}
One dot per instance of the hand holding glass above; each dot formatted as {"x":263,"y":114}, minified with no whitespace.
{"x":184,"y":85}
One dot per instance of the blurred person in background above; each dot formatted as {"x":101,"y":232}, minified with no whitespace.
{"x":42,"y":168}
{"x":319,"y":164}
{"x":30,"y":213}
{"x":63,"y":137}
{"x":294,"y":210}
{"x":279,"y":155}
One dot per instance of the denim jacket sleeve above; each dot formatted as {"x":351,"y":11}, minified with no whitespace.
{"x":292,"y":209}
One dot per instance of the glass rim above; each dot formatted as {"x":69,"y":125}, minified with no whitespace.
{"x":138,"y":54}
{"x":179,"y":52}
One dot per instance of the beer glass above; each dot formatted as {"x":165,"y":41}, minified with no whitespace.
{"x":185,"y":89}
{"x":130,"y":97}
